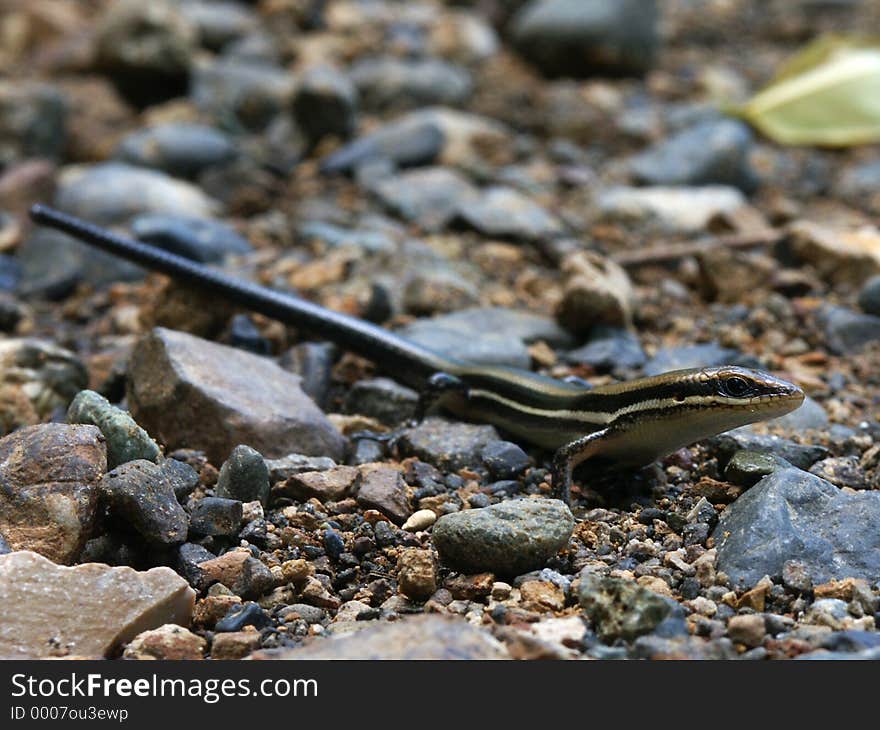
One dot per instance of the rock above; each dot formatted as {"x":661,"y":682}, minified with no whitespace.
{"x":147,"y":49}
{"x":841,"y":255}
{"x":847,"y":332}
{"x":416,"y":574}
{"x":216,"y":516}
{"x":333,"y":236}
{"x":869,"y":296}
{"x":681,"y":647}
{"x":713,"y":152}
{"x":257,"y":402}
{"x":234,"y":644}
{"x":429,"y":197}
{"x":240,"y":572}
{"x":793,"y":515}
{"x":309,"y":614}
{"x":36,"y":379}
{"x":49,"y":488}
{"x":830,"y":612}
{"x":447,"y":445}
{"x":189,"y":555}
{"x":423,"y":137}
{"x":596,"y":291}
{"x":241,"y":615}
{"x":180,"y":149}
{"x":87,"y":610}
{"x":290,"y":464}
{"x":501,"y":212}
{"x":708,"y":354}
{"x":325,"y":104}
{"x":382,"y":488}
{"x":382,"y":399}
{"x":796,"y":576}
{"x":842,"y":471}
{"x":218,"y":22}
{"x":621,"y":609}
{"x":416,"y":637}
{"x":507,"y":539}
{"x":200,"y":239}
{"x":748,"y":630}
{"x":242,"y":95}
{"x":10,"y":275}
{"x":33,"y":119}
{"x":851,"y":640}
{"x":809,"y":416}
{"x":330,"y":485}
{"x":580,"y":38}
{"x":139,"y":493}
{"x":244,"y":476}
{"x":110,"y":193}
{"x":389,"y":82}
{"x":747,"y":468}
{"x":420,"y":520}
{"x":504,"y":460}
{"x":800,"y":455}
{"x":680,"y":209}
{"x":612,"y":349}
{"x":167,"y":642}
{"x":126,"y":441}
{"x":182,"y":477}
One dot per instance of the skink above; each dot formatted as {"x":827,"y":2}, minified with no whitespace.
{"x":631,"y":423}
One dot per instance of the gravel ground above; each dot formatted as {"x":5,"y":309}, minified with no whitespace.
{"x":547,"y":184}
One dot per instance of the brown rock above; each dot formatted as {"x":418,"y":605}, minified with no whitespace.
{"x":382,"y":488}
{"x":595,"y":291}
{"x":210,"y":609}
{"x":189,"y":392}
{"x":234,"y":644}
{"x":167,"y":642}
{"x":749,"y":630}
{"x":844,"y":255}
{"x":240,"y":572}
{"x":48,"y":488}
{"x":325,"y":486}
{"x":88,"y":610}
{"x":470,"y":587}
{"x":540,"y":595}
{"x":416,"y":574}
{"x":842,"y":589}
{"x":418,"y":637}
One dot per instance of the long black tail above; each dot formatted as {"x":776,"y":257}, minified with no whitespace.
{"x":406,"y":361}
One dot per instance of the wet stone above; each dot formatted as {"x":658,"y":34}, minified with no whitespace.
{"x":325,"y":104}
{"x":126,"y":441}
{"x":507,"y":539}
{"x":204,"y":240}
{"x":139,"y":493}
{"x":215,"y":516}
{"x":504,"y":460}
{"x":182,"y":150}
{"x":382,"y":399}
{"x":260,"y":404}
{"x":621,"y":609}
{"x":447,"y":445}
{"x":48,"y":501}
{"x":712,"y":152}
{"x":244,"y":476}
{"x":793,"y":515}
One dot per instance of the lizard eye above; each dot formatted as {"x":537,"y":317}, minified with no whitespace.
{"x":735,"y":386}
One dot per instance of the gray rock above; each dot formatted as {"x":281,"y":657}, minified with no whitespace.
{"x":180,"y":149}
{"x":244,"y":476}
{"x":216,"y":516}
{"x":507,"y":539}
{"x":842,"y":471}
{"x":338,"y":237}
{"x":709,"y":354}
{"x":240,"y":95}
{"x":869,"y":294}
{"x":218,"y":22}
{"x":416,"y":637}
{"x":682,"y":647}
{"x":309,"y":614}
{"x":447,"y":445}
{"x":325,"y":104}
{"x":803,"y":456}
{"x":810,"y":415}
{"x":860,"y":181}
{"x":140,"y":494}
{"x":714,"y":152}
{"x":429,"y":197}
{"x":32,"y":122}
{"x":189,"y":555}
{"x":126,"y":441}
{"x":10,"y":272}
{"x":610,"y":349}
{"x":793,"y":515}
{"x":847,"y":332}
{"x":382,"y":399}
{"x":286,"y":466}
{"x":502,"y":212}
{"x":182,"y":477}
{"x":747,"y":468}
{"x":382,"y":488}
{"x":181,"y":388}
{"x":504,"y":460}
{"x":390,"y":82}
{"x":622,"y":609}
{"x":313,"y":362}
{"x":584,"y":37}
{"x":110,"y":193}
{"x":146,"y":48}
{"x":205,"y":240}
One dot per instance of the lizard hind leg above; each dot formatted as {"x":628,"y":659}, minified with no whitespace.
{"x":569,"y":456}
